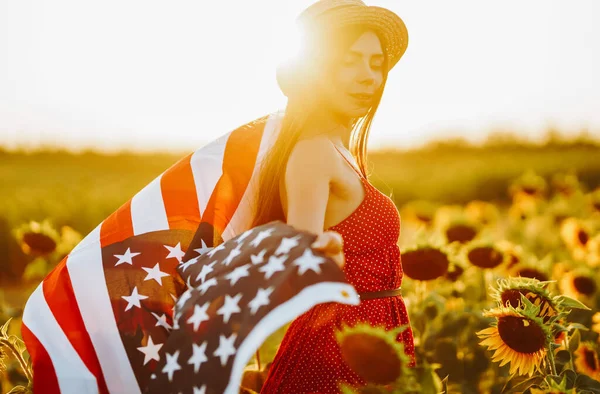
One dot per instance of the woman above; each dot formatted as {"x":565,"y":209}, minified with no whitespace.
{"x":311,"y":180}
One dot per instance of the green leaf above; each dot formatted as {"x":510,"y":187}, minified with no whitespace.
{"x":4,"y":328}
{"x":574,"y":341}
{"x":19,"y":390}
{"x":577,"y":326}
{"x":569,"y":302}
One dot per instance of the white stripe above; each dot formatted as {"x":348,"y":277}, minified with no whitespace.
{"x":148,"y":209}
{"x":207,"y":168}
{"x":89,"y":285}
{"x":283,"y":313}
{"x":72,"y":374}
{"x":240,"y":221}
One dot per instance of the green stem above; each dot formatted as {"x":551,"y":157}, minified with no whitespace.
{"x":551,"y":359}
{"x":19,"y":358}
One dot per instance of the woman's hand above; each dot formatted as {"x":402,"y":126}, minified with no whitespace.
{"x":331,"y":244}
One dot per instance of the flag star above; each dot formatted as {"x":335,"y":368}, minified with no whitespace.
{"x":232,"y":254}
{"x":275,"y":264}
{"x":239,"y":272}
{"x":225,"y":348}
{"x":215,"y":250}
{"x":155,"y":273}
{"x":308,"y":261}
{"x":133,"y":299}
{"x":198,"y":356}
{"x":244,"y":235}
{"x":203,"y":249}
{"x":150,"y":350}
{"x":188,"y":283}
{"x":261,"y":299}
{"x":184,"y":297}
{"x":261,"y":236}
{"x":258,"y":258}
{"x":126,"y":258}
{"x":287,"y":244}
{"x":162,"y":321}
{"x":171,"y":365}
{"x":199,"y":315}
{"x":191,"y":261}
{"x":175,"y":251}
{"x":201,"y":390}
{"x":230,"y":306}
{"x":207,"y":285}
{"x":206,"y":269}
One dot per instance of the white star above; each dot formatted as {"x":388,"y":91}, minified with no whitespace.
{"x":287,"y":244}
{"x":232,"y":254}
{"x":225,"y":348}
{"x":191,"y":261}
{"x":150,"y":351}
{"x":154,"y":273}
{"x":262,"y":235}
{"x":230,"y":306}
{"x":239,"y":272}
{"x":203,"y":249}
{"x":308,"y":261}
{"x":171,"y":365}
{"x":198,"y":356}
{"x":133,"y":299}
{"x":126,"y":258}
{"x":244,"y":235}
{"x":175,"y":251}
{"x":162,"y":321}
{"x":184,"y":297}
{"x":206,"y":269}
{"x":275,"y":264}
{"x":258,"y":258}
{"x":215,"y":250}
{"x":199,"y":315}
{"x":261,"y":299}
{"x":201,"y":390}
{"x":207,"y":285}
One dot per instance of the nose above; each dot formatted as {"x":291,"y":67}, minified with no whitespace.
{"x":365,"y":75}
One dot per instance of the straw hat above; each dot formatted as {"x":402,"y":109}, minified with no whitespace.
{"x":341,"y":13}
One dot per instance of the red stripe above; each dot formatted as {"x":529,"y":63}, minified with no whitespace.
{"x":59,"y":294}
{"x":239,"y":159}
{"x":179,"y":196}
{"x":44,"y":375}
{"x":118,"y":226}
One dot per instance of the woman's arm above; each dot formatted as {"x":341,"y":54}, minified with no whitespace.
{"x":307,"y":177}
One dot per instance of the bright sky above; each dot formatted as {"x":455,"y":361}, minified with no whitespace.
{"x":136,"y":74}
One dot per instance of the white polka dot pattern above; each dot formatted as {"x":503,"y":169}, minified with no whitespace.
{"x":309,"y":358}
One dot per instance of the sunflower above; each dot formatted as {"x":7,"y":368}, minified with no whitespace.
{"x":565,"y":183}
{"x":509,"y":291}
{"x":517,"y":337}
{"x":596,"y":322}
{"x":483,"y":254}
{"x":594,"y":199}
{"x":579,"y":284}
{"x":586,"y":360}
{"x":529,"y":271}
{"x":37,"y":239}
{"x":419,"y":211}
{"x":524,"y":208}
{"x":514,"y":252}
{"x":482,"y":212}
{"x":593,"y":251}
{"x":575,"y":233}
{"x":374,"y":353}
{"x":425,"y":262}
{"x":529,"y":184}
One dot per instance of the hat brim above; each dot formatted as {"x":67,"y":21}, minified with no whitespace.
{"x":387,"y":24}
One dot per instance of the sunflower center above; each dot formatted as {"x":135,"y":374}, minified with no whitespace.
{"x":461,"y":232}
{"x":584,"y":285}
{"x":425,"y":264}
{"x":583,"y":237}
{"x":590,"y":359}
{"x":485,"y":257}
{"x":532,"y":273}
{"x":521,"y":334}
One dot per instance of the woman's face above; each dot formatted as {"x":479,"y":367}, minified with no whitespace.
{"x":356,"y":79}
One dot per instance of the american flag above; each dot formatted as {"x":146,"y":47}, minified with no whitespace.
{"x":241,"y":292}
{"x":92,"y":323}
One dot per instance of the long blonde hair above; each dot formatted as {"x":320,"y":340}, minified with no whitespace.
{"x":300,"y":108}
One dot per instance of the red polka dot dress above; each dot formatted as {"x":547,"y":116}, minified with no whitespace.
{"x":309,"y":359}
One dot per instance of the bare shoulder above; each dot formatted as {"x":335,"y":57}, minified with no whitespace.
{"x":313,"y":153}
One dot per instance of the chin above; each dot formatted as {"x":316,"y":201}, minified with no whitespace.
{"x":356,"y":112}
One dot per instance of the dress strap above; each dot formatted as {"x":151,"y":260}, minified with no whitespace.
{"x":349,"y":162}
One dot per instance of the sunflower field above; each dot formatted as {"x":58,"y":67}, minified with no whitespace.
{"x":500,"y":253}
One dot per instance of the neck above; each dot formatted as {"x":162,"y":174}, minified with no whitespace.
{"x":335,"y":127}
